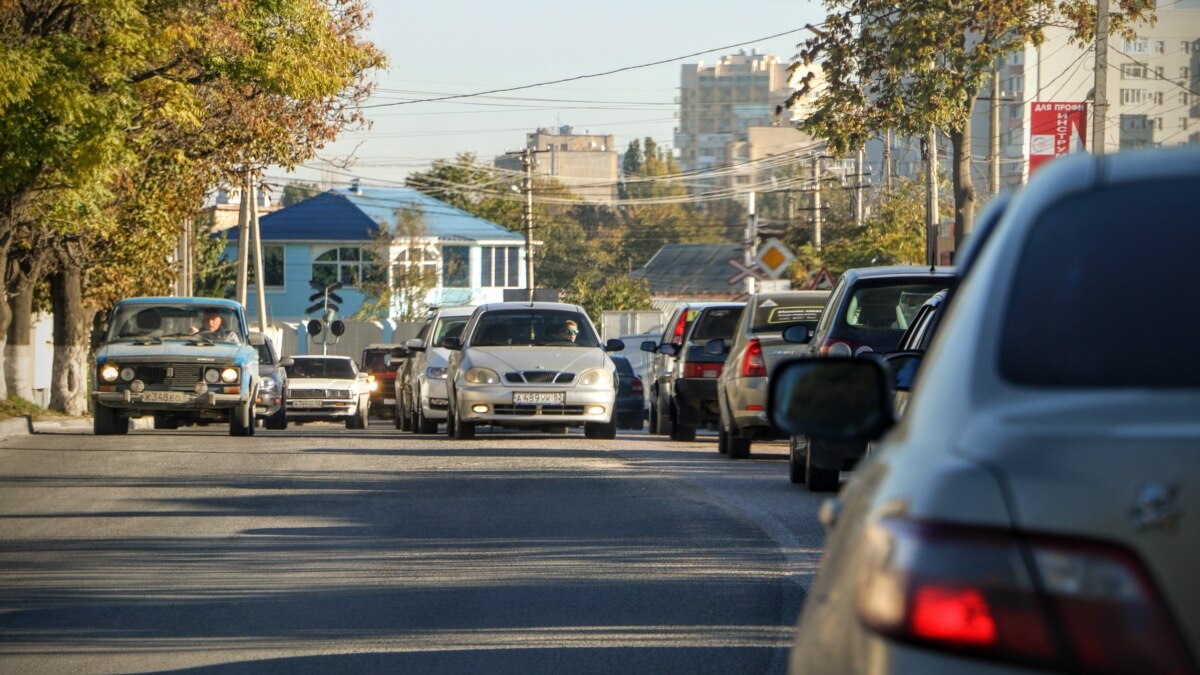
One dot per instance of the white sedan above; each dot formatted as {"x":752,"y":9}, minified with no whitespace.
{"x":327,"y":388}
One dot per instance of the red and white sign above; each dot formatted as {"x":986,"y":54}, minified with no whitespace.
{"x":1055,"y":129}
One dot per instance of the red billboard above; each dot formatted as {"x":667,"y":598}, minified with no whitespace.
{"x":1055,"y":129}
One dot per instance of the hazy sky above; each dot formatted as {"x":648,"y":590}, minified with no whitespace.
{"x":447,"y":47}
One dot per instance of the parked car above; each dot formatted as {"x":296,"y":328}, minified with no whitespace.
{"x":180,"y":360}
{"x":662,"y":369}
{"x":693,"y":384}
{"x":631,"y":395}
{"x":1034,"y":508}
{"x":380,"y":361}
{"x":532,"y":365}
{"x":421,"y":387}
{"x":328,"y":388}
{"x":270,"y":403}
{"x":757,"y":346}
{"x":868,"y":311}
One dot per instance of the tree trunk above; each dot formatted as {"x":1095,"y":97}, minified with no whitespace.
{"x":964,"y":187}
{"x":69,"y":383}
{"x":19,"y":352}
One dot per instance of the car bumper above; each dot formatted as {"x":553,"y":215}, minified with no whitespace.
{"x":184,"y":401}
{"x":696,"y":399}
{"x":747,"y":398}
{"x":495,"y":405}
{"x":434,"y":405}
{"x":314,"y":409}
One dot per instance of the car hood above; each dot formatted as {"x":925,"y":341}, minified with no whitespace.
{"x":221,"y":352}
{"x":566,"y":359}
{"x":322,"y":383}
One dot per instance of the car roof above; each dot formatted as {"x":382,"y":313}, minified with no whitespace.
{"x":560,"y":306}
{"x":177,"y":300}
{"x":461,"y":310}
{"x":899,"y":271}
{"x":818,"y":297}
{"x":314,"y":357}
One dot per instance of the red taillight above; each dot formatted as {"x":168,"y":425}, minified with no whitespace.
{"x":636,"y":386}
{"x":1092,"y":606}
{"x":752,"y":360}
{"x":709,"y":370}
{"x":680,"y":327}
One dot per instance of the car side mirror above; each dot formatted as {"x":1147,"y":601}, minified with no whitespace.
{"x":286,"y":362}
{"x":614,"y":345}
{"x":797,"y":334}
{"x":452,"y":343}
{"x":399,"y":352}
{"x":649,"y":346}
{"x":831,"y":398}
{"x":714,"y":347}
{"x":415,"y":345}
{"x":257,"y":340}
{"x":668,"y":348}
{"x":903,"y":367}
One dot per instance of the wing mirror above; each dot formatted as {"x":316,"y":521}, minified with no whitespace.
{"x":614,"y":345}
{"x":714,"y":347}
{"x":831,"y":398}
{"x":799,"y":334}
{"x":415,"y":345}
{"x":452,"y":343}
{"x":649,"y":346}
{"x":903,"y":367}
{"x":669,"y":349}
{"x":286,"y":362}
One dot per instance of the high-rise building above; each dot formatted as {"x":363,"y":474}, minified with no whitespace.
{"x":584,"y":163}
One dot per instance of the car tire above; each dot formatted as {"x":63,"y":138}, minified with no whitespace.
{"x":278,"y":421}
{"x":600,"y":430}
{"x":107,"y":421}
{"x":241,"y":419}
{"x":722,"y":440}
{"x":818,"y":479}
{"x":738,"y":446}
{"x":661,"y":424}
{"x":682,"y":432}
{"x":450,"y":421}
{"x":363,"y":413}
{"x":463,"y":431}
{"x":398,"y":418}
{"x":405,"y":420}
{"x":797,"y":459}
{"x":424,"y":425}
{"x":166,"y":422}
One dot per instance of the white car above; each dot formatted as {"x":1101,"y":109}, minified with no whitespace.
{"x":536,"y":365}
{"x":327,"y":388}
{"x":421,"y":387}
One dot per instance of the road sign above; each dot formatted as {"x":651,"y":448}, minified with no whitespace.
{"x":743,"y":271}
{"x":822,"y":281}
{"x":774,"y":258}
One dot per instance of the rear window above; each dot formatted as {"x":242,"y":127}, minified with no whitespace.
{"x":340,"y":368}
{"x":888,"y":307}
{"x":623,"y":365}
{"x":1103,"y":295}
{"x":716,"y":322}
{"x":776,"y":318}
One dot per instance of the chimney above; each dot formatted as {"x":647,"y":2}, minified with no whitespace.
{"x":356,"y":186}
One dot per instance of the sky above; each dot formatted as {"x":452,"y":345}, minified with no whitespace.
{"x":453,"y":47}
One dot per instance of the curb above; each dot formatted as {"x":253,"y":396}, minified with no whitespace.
{"x":26,"y":425}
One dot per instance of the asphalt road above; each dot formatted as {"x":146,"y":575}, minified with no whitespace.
{"x":319,"y":549}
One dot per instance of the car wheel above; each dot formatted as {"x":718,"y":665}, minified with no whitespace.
{"x":405,"y":418}
{"x":241,"y":419}
{"x":166,"y":422}
{"x":277,"y":421}
{"x":818,"y":479}
{"x":680,"y":431}
{"x":363,"y":414}
{"x":662,"y":423}
{"x":450,"y":421}
{"x":464,"y":431}
{"x":399,"y":417}
{"x":600,"y":430}
{"x":423,"y":424}
{"x":107,"y":421}
{"x":738,"y":446}
{"x":797,"y":459}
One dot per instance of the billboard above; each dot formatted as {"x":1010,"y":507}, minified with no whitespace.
{"x":1055,"y":129}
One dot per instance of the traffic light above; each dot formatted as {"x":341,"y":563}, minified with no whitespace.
{"x":313,"y":327}
{"x":337,"y":327}
{"x":326,"y":303}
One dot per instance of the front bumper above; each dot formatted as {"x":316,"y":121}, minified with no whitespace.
{"x":433,"y":402}
{"x":267,"y":404}
{"x":494,"y":404}
{"x":321,"y":409}
{"x":188,"y":401}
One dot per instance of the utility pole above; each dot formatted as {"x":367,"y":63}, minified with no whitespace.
{"x":816,"y":175}
{"x":750,"y":249}
{"x":527,"y":187}
{"x":259,"y":281}
{"x":1100,"y":101}
{"x":858,"y":188}
{"x":931,"y":197}
{"x":995,"y":130}
{"x":243,"y":260}
{"x":887,"y":160}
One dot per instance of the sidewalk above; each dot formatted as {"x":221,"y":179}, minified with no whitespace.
{"x":26,"y":425}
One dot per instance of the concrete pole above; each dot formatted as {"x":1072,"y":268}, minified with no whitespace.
{"x":750,"y":250}
{"x":243,"y":259}
{"x":858,"y":188}
{"x":1100,"y":102}
{"x":995,"y":129}
{"x":816,"y":175}
{"x":259,"y":281}
{"x":931,"y":199}
{"x":527,"y":161}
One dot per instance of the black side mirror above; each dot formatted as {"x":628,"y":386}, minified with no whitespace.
{"x":286,"y":362}
{"x":831,"y":398}
{"x":799,"y":334}
{"x":668,"y":349}
{"x":903,"y":367}
{"x":399,"y":352}
{"x":98,"y":335}
{"x":452,"y":343}
{"x":614,"y":345}
{"x":649,"y":346}
{"x":714,"y":347}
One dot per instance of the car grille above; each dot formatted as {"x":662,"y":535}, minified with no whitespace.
{"x":171,"y":375}
{"x":531,"y":410}
{"x":319,"y":393}
{"x":538,"y":377}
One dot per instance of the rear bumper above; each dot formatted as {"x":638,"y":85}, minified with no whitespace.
{"x":747,"y":398}
{"x":696,"y":400}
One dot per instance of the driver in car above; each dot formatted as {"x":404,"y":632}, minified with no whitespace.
{"x":212,"y":326}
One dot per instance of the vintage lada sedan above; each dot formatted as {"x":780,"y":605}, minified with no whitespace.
{"x":178,"y":360}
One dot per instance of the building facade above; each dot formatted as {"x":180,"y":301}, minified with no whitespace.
{"x":587,"y":164}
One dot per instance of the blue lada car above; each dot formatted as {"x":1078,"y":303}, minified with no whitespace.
{"x":179,"y":360}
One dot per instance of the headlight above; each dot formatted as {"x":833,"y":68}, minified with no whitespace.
{"x":435,"y":373}
{"x":481,"y":376}
{"x":127,"y":373}
{"x":372,"y":384}
{"x":212,"y":375}
{"x":109,"y":373}
{"x":594,"y":376}
{"x":229,"y":375}
{"x":267,"y":384}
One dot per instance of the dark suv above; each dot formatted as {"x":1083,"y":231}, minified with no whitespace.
{"x":868,"y":311}
{"x":693,"y":400}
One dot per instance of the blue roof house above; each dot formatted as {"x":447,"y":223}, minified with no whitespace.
{"x":333,"y":237}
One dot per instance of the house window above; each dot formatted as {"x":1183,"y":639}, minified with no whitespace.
{"x":415,"y":267}
{"x":1132,"y":96}
{"x":350,"y":265}
{"x":272,"y":266}
{"x":1158,"y":97}
{"x":1184,"y":72}
{"x":1184,"y":98}
{"x":500,"y":266}
{"x":1183,"y":123}
{"x":1133,"y":71}
{"x":1136,"y":46}
{"x":456,"y":267}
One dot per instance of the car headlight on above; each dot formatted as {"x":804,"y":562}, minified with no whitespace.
{"x":595,"y":376}
{"x":267,"y":384}
{"x":372,"y":383}
{"x":109,"y":373}
{"x":127,"y":373}
{"x":435,"y":373}
{"x":229,"y":375}
{"x":481,"y":376}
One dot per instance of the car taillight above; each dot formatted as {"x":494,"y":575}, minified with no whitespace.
{"x":680,"y":327}
{"x":838,"y":347}
{"x":1048,"y":601}
{"x":709,"y":370}
{"x":636,"y":386}
{"x":752,"y":360}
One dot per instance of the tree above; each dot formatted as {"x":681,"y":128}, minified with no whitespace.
{"x":297,"y":191}
{"x":597,"y":293}
{"x":402,"y":295}
{"x":911,"y":68}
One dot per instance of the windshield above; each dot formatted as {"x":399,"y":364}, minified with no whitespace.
{"x":331,"y":368}
{"x":889,"y":307}
{"x":143,"y":321}
{"x":449,"y":327}
{"x":524,"y":328}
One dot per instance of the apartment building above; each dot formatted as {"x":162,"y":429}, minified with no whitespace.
{"x":587,"y":164}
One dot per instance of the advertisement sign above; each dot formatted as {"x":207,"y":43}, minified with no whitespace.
{"x":1055,"y":129}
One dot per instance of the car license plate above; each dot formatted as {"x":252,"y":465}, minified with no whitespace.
{"x":389,"y":401}
{"x":165,"y":397}
{"x":305,"y":403}
{"x":539,"y":397}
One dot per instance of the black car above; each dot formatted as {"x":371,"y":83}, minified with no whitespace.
{"x":693,"y":400}
{"x":631,"y":395}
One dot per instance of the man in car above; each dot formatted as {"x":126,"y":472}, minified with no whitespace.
{"x":566,"y":331}
{"x":212,"y":326}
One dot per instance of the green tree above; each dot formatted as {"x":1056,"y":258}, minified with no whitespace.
{"x":916,"y":67}
{"x":597,"y":293}
{"x":404,"y":247}
{"x":297,"y":191}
